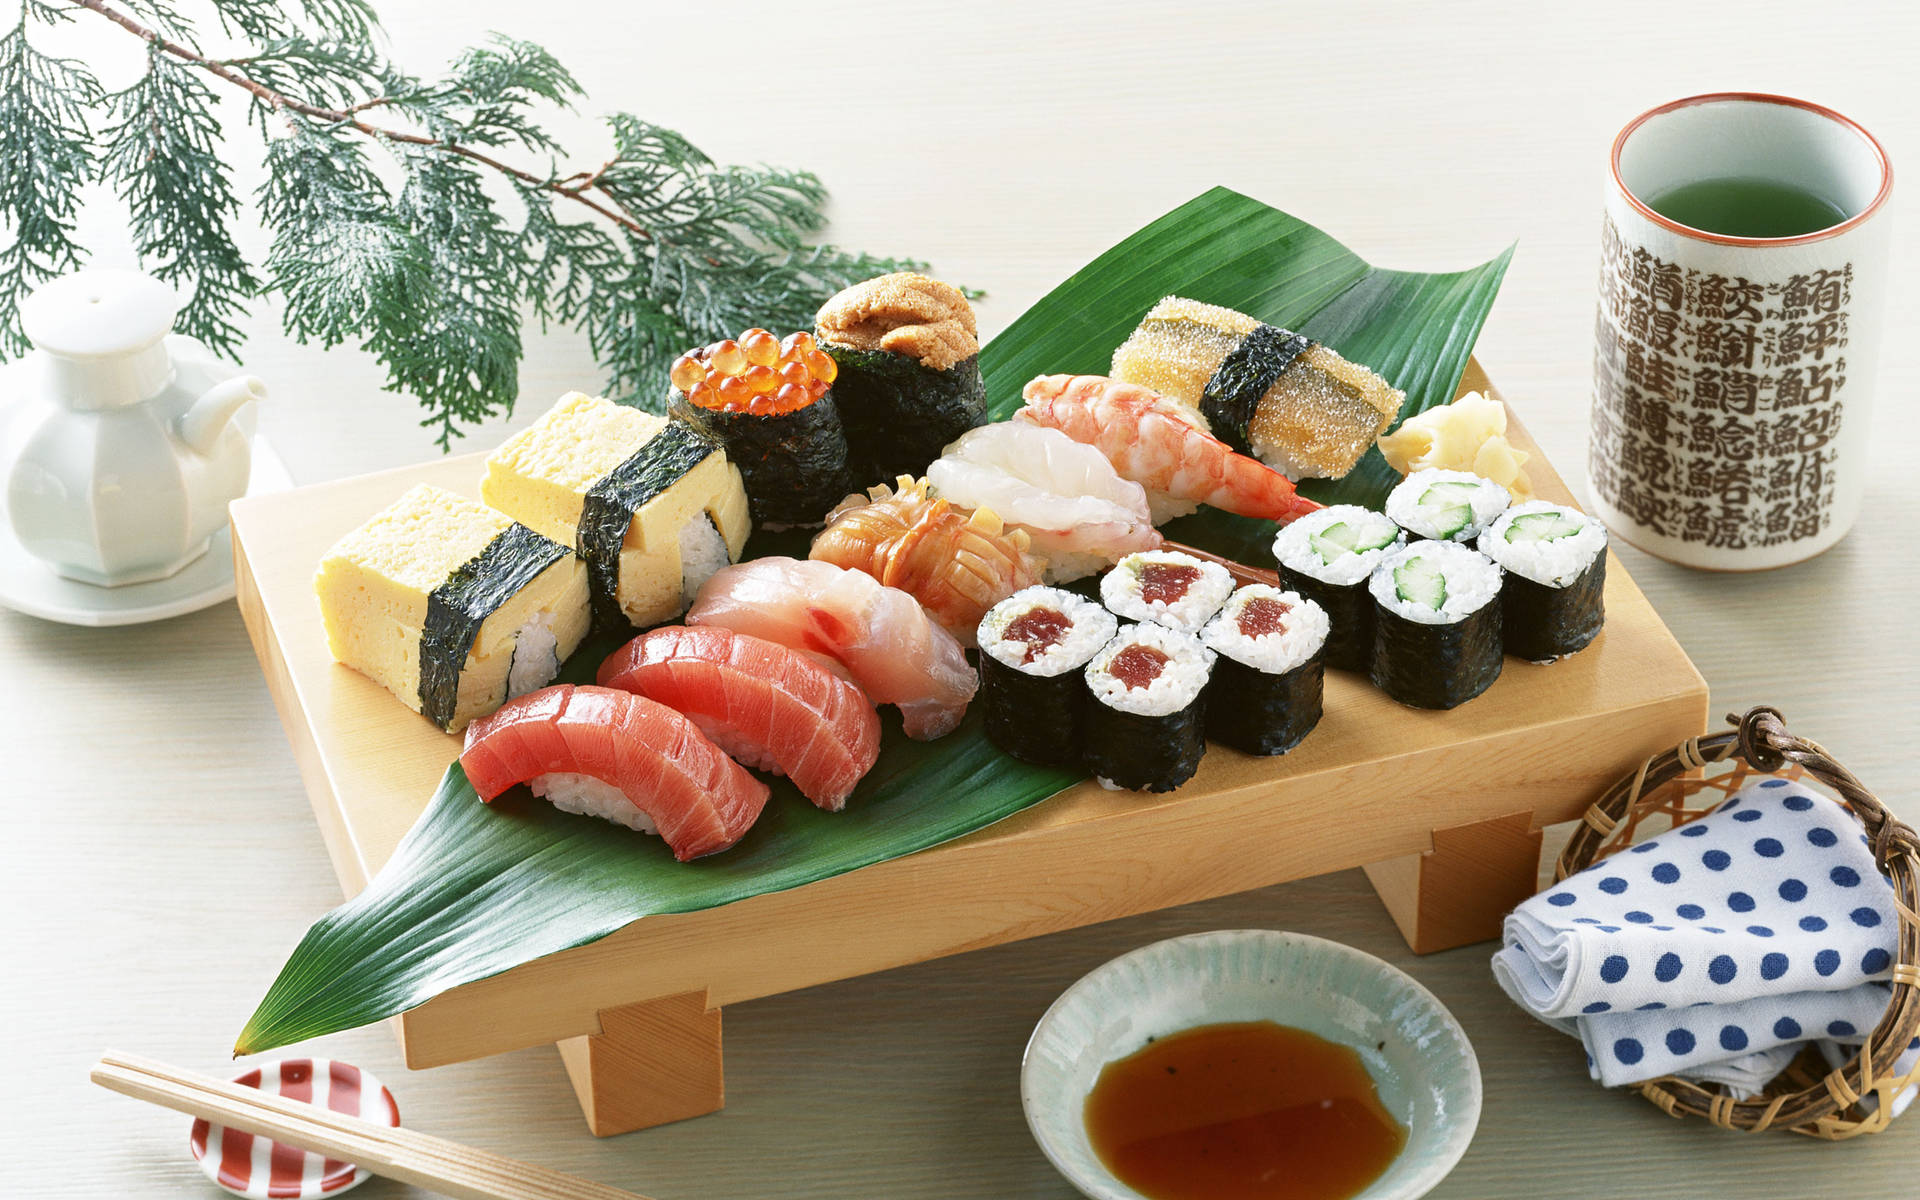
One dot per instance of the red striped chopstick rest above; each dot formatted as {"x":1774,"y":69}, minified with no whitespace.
{"x":252,"y":1166}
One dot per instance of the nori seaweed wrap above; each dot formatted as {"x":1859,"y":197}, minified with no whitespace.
{"x":793,"y":464}
{"x":1265,"y":694}
{"x":1437,"y":624}
{"x":1146,"y":720}
{"x":1033,"y":646}
{"x":1553,"y":599}
{"x":1327,"y":557}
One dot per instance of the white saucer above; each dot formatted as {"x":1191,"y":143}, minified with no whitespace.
{"x":28,"y":585}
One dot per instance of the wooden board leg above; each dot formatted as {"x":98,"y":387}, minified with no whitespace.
{"x":1458,"y":892}
{"x":651,"y":1063}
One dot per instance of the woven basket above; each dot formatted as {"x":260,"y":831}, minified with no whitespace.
{"x":1686,"y":783}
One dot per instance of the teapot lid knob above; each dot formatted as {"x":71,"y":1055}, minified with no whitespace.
{"x":98,"y":313}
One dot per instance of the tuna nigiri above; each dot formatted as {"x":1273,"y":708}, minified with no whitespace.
{"x":1079,"y":514}
{"x":879,"y":636}
{"x":767,"y":706}
{"x":616,"y":755}
{"x":1158,"y":443}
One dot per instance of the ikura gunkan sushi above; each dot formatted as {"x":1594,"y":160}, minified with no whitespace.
{"x":1552,"y":602}
{"x":1145,"y":720}
{"x":1327,"y":557}
{"x":1266,"y":687}
{"x":1033,"y":647}
{"x":618,"y":756}
{"x":908,"y":351}
{"x":451,"y":606}
{"x":1447,"y":506}
{"x":650,"y":505}
{"x":767,"y":706}
{"x":769,"y":403}
{"x":1166,"y":587}
{"x":1436,"y":624}
{"x":1287,"y":400}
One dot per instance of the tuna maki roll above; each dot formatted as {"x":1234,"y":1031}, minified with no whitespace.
{"x":908,"y":352}
{"x":1145,"y":728}
{"x":1166,"y":587}
{"x":1033,"y":647}
{"x":1327,"y":557}
{"x":1436,"y":640}
{"x":768,"y":403}
{"x":1265,"y":692}
{"x":1447,"y":506}
{"x":1555,"y":558}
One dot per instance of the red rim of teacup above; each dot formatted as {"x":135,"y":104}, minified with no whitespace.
{"x":1723,"y":239}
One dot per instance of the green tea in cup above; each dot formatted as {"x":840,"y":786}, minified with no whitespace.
{"x":1747,"y":206}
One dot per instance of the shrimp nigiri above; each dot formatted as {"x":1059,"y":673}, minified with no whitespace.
{"x":956,"y":562}
{"x":1156,"y":443}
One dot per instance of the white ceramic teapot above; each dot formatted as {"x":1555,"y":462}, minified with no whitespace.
{"x":125,"y":441}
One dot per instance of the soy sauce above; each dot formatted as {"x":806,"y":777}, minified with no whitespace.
{"x":1245,"y":1111}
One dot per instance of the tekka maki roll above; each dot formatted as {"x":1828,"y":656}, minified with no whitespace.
{"x":1145,"y":720}
{"x":768,"y":403}
{"x":1166,"y":587}
{"x":1285,"y":399}
{"x":451,"y":606}
{"x":1328,"y":557}
{"x":1436,"y":640}
{"x":908,"y":350}
{"x":1265,"y":692}
{"x":1555,"y":558}
{"x":1033,"y":647}
{"x":1446,"y":506}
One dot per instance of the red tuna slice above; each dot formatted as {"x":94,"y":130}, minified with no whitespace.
{"x":700,"y":800}
{"x":770,"y":707}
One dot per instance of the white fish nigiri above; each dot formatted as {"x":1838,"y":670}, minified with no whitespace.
{"x":1080,"y":514}
{"x":878,"y":636}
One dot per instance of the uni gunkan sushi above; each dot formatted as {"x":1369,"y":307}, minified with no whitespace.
{"x":1266,"y":687}
{"x":767,"y":403}
{"x":1436,"y":640}
{"x":1166,"y":587}
{"x":908,"y":351}
{"x":1447,"y":506}
{"x":451,"y":606}
{"x":1555,"y":557}
{"x":652,"y":506}
{"x":1327,"y":557}
{"x":1033,"y":647}
{"x":1145,"y":720}
{"x":1289,"y":401}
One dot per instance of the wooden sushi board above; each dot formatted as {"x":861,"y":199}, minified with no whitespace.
{"x":1443,"y":809}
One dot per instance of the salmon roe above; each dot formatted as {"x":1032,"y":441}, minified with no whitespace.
{"x":755,"y":373}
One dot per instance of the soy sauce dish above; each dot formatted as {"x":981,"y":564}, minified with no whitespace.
{"x":1250,"y":1064}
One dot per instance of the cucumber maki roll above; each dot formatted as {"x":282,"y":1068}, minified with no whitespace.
{"x":1327,"y":557}
{"x":1145,"y":726}
{"x":1166,"y":587}
{"x":769,"y":404}
{"x":908,"y":352}
{"x":1033,"y":647}
{"x":1447,"y":506}
{"x":1436,"y":640}
{"x":1555,"y":558}
{"x":1265,"y":692}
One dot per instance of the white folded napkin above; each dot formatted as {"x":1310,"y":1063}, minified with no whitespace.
{"x":1715,"y":949}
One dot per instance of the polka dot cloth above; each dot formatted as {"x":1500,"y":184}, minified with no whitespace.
{"x":1728,"y":941}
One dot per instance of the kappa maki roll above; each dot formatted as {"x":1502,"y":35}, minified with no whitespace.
{"x":768,"y":403}
{"x":908,"y":351}
{"x":1289,"y":401}
{"x":1555,"y":558}
{"x":1265,"y":692}
{"x":1166,"y":587}
{"x":1327,"y":557}
{"x":1447,"y":506}
{"x":1033,"y":647}
{"x":1145,"y":727}
{"x":1436,"y":637}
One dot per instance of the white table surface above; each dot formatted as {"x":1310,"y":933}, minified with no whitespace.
{"x":160,"y":859}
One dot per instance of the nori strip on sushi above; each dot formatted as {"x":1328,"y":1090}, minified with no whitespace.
{"x":1436,"y":666}
{"x":611,"y":502}
{"x":1039,"y":719}
{"x":794,"y":465}
{"x":459,"y":606}
{"x":1255,"y":712}
{"x":1233,"y":392}
{"x":1543,"y":623}
{"x":1145,"y":754}
{"x":898,"y":413}
{"x":1349,"y":607}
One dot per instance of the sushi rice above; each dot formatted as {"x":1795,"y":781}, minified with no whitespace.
{"x":1552,"y":562}
{"x":1465,"y":502}
{"x":570,"y":791}
{"x":1472,"y":581}
{"x":536,"y":655}
{"x":1204,"y":587}
{"x":703,"y":551}
{"x":1299,"y":547}
{"x":1296,"y":641}
{"x":1090,"y":627}
{"x":1176,"y":686}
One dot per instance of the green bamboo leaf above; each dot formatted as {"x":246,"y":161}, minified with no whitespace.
{"x":477,"y":889}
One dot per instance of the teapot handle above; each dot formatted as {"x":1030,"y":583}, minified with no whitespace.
{"x":201,"y":425}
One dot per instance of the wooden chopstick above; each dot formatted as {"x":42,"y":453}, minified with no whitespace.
{"x":403,"y":1154}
